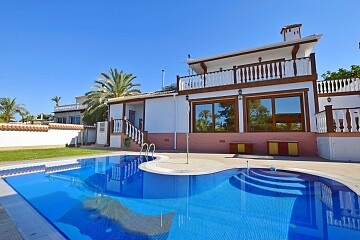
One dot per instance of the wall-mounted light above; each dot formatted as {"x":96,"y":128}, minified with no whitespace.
{"x":329,"y":99}
{"x":240,"y":94}
{"x":260,"y":59}
{"x":187,"y":97}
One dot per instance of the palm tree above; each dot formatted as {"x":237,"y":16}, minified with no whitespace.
{"x":8,"y":109}
{"x":24,"y":115}
{"x":56,"y":99}
{"x":117,"y":84}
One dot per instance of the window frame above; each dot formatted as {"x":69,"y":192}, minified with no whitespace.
{"x":212,"y":101}
{"x":304,"y":112}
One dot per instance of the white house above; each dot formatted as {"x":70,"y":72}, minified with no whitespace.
{"x":70,"y":113}
{"x":262,"y":100}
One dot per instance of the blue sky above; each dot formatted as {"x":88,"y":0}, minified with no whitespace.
{"x":59,"y":48}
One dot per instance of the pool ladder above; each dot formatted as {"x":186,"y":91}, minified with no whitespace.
{"x":147,"y":150}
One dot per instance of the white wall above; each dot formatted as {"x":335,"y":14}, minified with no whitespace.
{"x":101,"y":136}
{"x":250,"y":58}
{"x":53,"y":137}
{"x":339,"y":148}
{"x":116,"y":111}
{"x":160,"y":115}
{"x":115,"y":141}
{"x":349,"y":101}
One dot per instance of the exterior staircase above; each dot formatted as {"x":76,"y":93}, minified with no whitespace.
{"x":132,"y":137}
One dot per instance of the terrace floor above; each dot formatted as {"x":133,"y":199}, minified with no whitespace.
{"x":22,"y":220}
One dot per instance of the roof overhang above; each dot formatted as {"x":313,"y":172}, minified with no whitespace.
{"x":141,"y":96}
{"x":307,"y":44}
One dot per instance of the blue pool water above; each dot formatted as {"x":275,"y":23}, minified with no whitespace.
{"x":110,"y":198}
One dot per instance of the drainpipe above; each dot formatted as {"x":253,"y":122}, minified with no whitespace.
{"x":175,"y":119}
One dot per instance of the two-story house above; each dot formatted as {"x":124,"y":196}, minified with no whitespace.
{"x":261,"y":100}
{"x":70,"y":113}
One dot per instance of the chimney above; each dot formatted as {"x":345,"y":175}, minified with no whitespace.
{"x":291,"y":32}
{"x":163,"y":79}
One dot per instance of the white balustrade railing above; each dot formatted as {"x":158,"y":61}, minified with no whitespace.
{"x":134,"y":133}
{"x":261,"y":71}
{"x":321,"y":122}
{"x":69,"y":107}
{"x":117,"y":127}
{"x":338,"y":85}
{"x":344,"y":120}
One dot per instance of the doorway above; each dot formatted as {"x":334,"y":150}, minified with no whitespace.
{"x":132,"y":117}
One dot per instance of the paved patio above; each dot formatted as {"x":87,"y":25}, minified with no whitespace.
{"x":35,"y":227}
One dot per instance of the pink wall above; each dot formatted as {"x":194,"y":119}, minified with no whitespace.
{"x":219,"y":142}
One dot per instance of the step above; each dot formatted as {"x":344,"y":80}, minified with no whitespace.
{"x":270,"y":189}
{"x":272,"y":183}
{"x":261,"y":174}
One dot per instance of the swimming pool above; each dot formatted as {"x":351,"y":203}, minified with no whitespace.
{"x":109,"y":198}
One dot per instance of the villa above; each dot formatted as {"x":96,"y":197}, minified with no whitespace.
{"x":264,"y":100}
{"x":70,"y":113}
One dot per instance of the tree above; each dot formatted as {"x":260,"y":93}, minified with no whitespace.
{"x":342,"y":73}
{"x":45,"y":117}
{"x":117,"y":84}
{"x":56,"y":99}
{"x":24,"y":115}
{"x":8,"y":109}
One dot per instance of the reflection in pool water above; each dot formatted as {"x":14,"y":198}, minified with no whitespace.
{"x":111,"y":198}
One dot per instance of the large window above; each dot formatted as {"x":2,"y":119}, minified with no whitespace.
{"x":215,"y":116}
{"x":75,"y":119}
{"x":61,"y":120}
{"x":275,"y":114}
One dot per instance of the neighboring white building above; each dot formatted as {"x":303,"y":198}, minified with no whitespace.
{"x":70,"y":113}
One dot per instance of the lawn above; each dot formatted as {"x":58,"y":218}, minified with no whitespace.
{"x":28,"y":154}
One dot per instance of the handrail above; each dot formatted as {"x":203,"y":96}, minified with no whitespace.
{"x":148,"y":148}
{"x":142,"y":147}
{"x":152,"y":154}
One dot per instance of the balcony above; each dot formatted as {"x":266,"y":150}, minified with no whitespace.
{"x":250,"y":73}
{"x":338,"y":120}
{"x":338,"y":86}
{"x":69,"y":107}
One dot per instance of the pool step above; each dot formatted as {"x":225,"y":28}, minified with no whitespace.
{"x":257,"y":188}
{"x":273,"y":182}
{"x":271,"y":175}
{"x":264,"y":181}
{"x":22,"y":170}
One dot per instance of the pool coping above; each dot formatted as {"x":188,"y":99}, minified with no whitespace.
{"x":32,"y":225}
